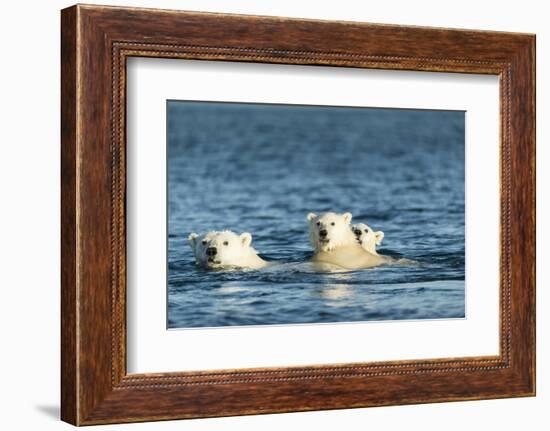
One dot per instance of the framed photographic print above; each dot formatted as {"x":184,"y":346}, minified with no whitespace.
{"x":264,"y":215}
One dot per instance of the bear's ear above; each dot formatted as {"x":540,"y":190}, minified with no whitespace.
{"x":347,"y":217}
{"x":192,"y":238}
{"x":379,"y":236}
{"x":246,"y":239}
{"x":311,"y":216}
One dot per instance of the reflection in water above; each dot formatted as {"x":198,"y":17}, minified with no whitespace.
{"x":335,"y":291}
{"x":231,"y":288}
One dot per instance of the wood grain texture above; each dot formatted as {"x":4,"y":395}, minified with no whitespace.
{"x":96,"y":41}
{"x":69,"y":367}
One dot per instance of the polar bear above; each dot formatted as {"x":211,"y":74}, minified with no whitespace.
{"x":225,"y":249}
{"x":335,"y":243}
{"x":367,"y":237}
{"x":330,"y":230}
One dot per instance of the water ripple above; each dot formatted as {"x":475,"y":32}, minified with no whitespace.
{"x":234,"y":166}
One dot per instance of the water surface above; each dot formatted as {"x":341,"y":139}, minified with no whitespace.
{"x":261,"y":168}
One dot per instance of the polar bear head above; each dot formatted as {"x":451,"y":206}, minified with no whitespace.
{"x":222,"y":249}
{"x":330,"y":230}
{"x":367,"y":237}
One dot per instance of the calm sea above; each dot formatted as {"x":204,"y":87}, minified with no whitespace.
{"x":261,"y":168}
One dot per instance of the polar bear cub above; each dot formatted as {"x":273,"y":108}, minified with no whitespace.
{"x":367,"y":237}
{"x":222,"y":249}
{"x":335,"y":243}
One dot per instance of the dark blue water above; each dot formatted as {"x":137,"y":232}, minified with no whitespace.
{"x":262,"y":168}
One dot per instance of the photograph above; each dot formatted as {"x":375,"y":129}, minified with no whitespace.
{"x":283,"y":214}
{"x":304,"y":214}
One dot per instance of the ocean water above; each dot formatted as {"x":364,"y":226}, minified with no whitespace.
{"x":262,"y":168}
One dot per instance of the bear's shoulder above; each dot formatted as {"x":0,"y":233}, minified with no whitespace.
{"x":252,"y":260}
{"x":351,"y":256}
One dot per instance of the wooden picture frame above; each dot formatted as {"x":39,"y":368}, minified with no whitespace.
{"x":95,"y":43}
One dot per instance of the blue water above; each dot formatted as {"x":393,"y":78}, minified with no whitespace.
{"x":262,"y":168}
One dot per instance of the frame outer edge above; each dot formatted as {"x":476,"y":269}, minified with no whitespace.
{"x":87,"y":396}
{"x":530,"y":62}
{"x":532,"y":101}
{"x":523,"y":214}
{"x":69,"y":200}
{"x":533,"y":54}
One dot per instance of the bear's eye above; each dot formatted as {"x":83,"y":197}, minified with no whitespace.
{"x":366,"y":231}
{"x":204,"y":242}
{"x":318,"y":223}
{"x":332,"y":224}
{"x":225,"y":243}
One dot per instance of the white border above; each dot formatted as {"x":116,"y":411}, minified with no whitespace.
{"x":153,"y":348}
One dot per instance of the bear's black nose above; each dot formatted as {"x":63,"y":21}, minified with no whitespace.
{"x":323,"y":233}
{"x":211,"y":251}
{"x":357,"y":232}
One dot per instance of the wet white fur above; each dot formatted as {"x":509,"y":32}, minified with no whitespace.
{"x":338,"y":231}
{"x":340,"y":246}
{"x":233,"y":250}
{"x":367,"y":237}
